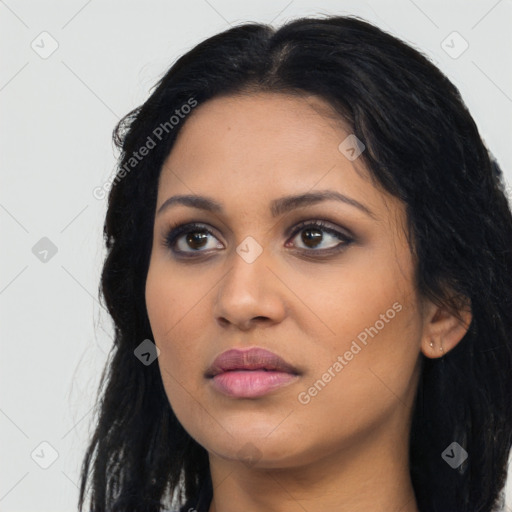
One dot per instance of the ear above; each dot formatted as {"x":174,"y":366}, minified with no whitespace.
{"x":442,"y":329}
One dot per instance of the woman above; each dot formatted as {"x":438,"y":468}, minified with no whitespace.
{"x":307,"y":225}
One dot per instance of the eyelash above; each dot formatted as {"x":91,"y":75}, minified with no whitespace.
{"x":175,"y":232}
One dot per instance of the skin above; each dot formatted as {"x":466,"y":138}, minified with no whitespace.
{"x":347,"y":448}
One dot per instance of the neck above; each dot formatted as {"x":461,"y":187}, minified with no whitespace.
{"x":368,"y":474}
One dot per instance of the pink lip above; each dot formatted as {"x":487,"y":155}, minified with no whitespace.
{"x":250,"y":373}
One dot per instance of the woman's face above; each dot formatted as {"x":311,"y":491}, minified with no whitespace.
{"x":336,"y":302}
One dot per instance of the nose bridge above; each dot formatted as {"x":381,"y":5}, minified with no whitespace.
{"x":249,"y":289}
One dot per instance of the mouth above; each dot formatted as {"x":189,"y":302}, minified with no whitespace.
{"x":249,"y":360}
{"x":250,"y":373}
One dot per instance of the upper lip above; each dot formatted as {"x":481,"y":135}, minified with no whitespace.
{"x":249,"y":359}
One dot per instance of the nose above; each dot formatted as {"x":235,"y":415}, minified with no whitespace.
{"x":249,"y":294}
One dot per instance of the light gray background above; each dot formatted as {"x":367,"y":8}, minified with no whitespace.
{"x":57,"y":115}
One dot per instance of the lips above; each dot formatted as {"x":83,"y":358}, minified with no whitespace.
{"x":250,"y":359}
{"x":250,"y":373}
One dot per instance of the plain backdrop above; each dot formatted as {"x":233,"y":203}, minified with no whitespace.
{"x":68,"y":72}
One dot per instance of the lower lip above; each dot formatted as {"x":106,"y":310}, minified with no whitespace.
{"x":250,"y":383}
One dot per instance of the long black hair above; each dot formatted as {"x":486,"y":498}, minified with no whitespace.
{"x":422,"y":146}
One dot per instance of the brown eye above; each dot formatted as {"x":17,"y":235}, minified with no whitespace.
{"x":196,"y":239}
{"x":193,"y":239}
{"x":190,"y":238}
{"x":311,"y":237}
{"x":314,"y":234}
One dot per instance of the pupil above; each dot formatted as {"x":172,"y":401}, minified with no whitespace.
{"x":311,"y":235}
{"x":195,"y":236}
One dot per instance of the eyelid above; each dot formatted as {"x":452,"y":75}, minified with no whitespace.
{"x":322,"y":223}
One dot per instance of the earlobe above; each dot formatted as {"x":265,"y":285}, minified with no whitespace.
{"x":443,"y":330}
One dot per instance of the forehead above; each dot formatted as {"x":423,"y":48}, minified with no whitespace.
{"x":257,"y":134}
{"x":292,"y":119}
{"x":255,"y":146}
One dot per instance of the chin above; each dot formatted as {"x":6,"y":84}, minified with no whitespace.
{"x":258,"y":447}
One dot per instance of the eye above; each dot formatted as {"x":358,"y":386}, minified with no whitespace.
{"x":190,"y":236}
{"x":313,"y":236}
{"x":188,"y":239}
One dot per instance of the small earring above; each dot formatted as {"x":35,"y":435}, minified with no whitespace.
{"x":441,"y":348}
{"x":431,"y":343}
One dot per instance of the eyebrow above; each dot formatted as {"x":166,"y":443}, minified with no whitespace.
{"x":278,"y":206}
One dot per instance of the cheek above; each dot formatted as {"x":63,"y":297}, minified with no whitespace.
{"x":351,"y":302}
{"x":177,"y":318}
{"x":161,"y":301}
{"x":376,"y":331}
{"x":371,"y":367}
{"x":165,"y":309}
{"x":172,"y":300}
{"x":350,"y":398}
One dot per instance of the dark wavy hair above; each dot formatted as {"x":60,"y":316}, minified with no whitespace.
{"x":422,"y":146}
